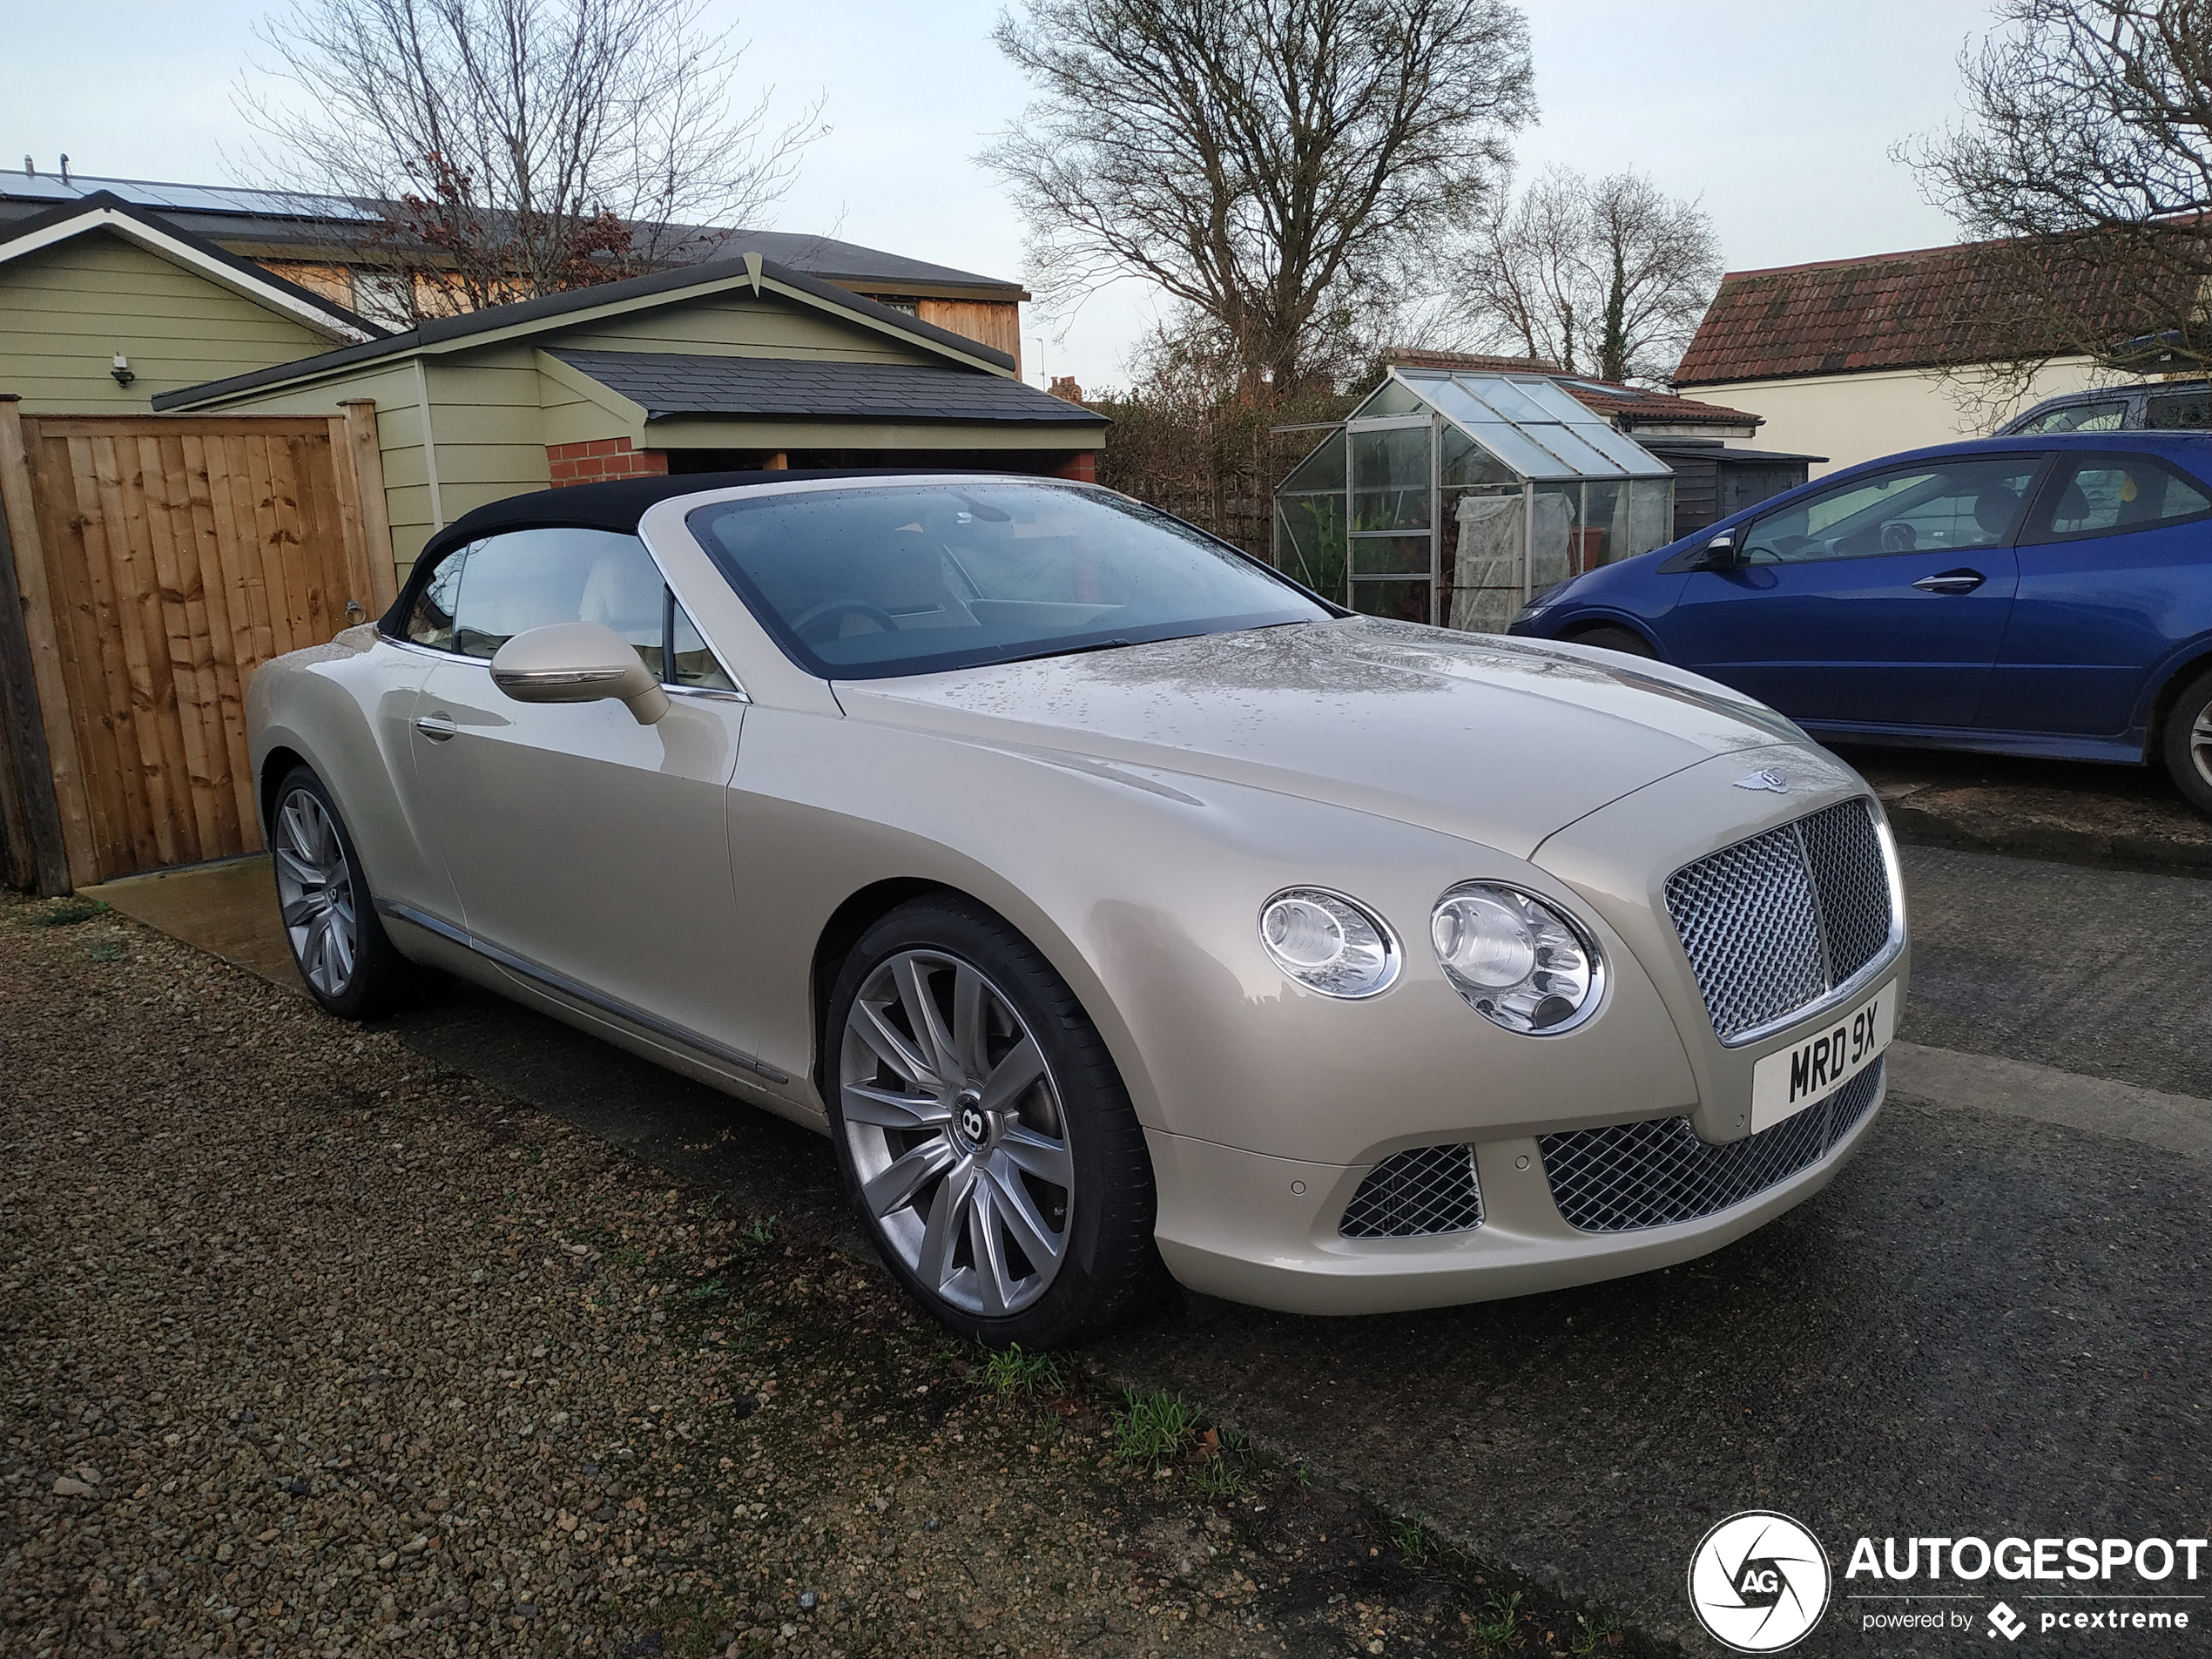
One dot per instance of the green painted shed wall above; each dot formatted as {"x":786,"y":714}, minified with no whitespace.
{"x":66,"y":310}
{"x":494,"y":407}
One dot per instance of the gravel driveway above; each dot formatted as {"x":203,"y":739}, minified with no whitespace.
{"x":316,"y":1347}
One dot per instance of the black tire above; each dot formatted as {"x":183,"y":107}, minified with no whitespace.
{"x":1627,"y":641}
{"x":2186,"y":743}
{"x":376,"y":977}
{"x":1108,"y":1265}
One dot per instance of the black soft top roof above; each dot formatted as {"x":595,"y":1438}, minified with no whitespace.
{"x":617,"y":506}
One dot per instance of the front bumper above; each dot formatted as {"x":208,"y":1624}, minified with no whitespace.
{"x":1267,"y":1233}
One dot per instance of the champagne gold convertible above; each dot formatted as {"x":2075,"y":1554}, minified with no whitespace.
{"x":1121,"y":911}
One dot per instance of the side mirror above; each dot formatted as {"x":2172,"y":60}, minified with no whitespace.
{"x":1722,"y":553}
{"x":578,"y":662}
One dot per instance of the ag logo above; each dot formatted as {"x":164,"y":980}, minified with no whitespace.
{"x":1758,"y":1581}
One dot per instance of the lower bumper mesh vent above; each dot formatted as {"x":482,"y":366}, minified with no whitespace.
{"x":1657,"y":1172}
{"x":1429,"y":1189}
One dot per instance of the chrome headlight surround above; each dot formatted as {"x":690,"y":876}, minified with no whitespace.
{"x":1329,"y":942}
{"x":1511,"y":956}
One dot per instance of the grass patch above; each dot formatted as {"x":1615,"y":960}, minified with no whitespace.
{"x":1594,"y":1632}
{"x":67,"y":913}
{"x":1496,"y":1622}
{"x":107,"y":950}
{"x":1012,"y":1370}
{"x":1412,"y":1539}
{"x":1152,"y":1430}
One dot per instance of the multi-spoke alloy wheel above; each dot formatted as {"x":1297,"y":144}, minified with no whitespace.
{"x":347,"y":959}
{"x":983,"y":1131}
{"x":2187,"y":741}
{"x":315,"y":888}
{"x":956,"y":1132}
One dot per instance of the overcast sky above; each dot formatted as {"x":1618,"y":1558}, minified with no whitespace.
{"x":1778,"y":114}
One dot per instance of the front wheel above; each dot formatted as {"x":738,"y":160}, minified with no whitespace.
{"x":346,"y":959}
{"x":983,"y":1132}
{"x":2187,"y":741}
{"x":1627,"y":641}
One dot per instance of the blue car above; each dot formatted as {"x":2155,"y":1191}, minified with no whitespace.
{"x":2047,"y":595}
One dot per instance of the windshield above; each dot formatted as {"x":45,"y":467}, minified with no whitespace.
{"x":863,"y":584}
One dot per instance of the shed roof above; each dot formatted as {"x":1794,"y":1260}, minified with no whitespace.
{"x":303,"y":225}
{"x":671,"y":383}
{"x":527,"y":317}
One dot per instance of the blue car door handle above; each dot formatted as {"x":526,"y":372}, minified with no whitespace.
{"x":1952,"y":582}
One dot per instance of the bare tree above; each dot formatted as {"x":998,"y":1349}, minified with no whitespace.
{"x":1607,"y":278}
{"x":1274,"y":164}
{"x":519,"y":147}
{"x":2087,"y":160}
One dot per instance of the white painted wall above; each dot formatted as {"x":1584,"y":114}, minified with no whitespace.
{"x":1850,"y":418}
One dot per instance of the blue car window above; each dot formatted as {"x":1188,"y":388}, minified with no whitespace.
{"x":1972,"y":502}
{"x":2078,"y":417}
{"x":2113,"y":494}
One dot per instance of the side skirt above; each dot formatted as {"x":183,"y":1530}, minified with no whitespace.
{"x":562,"y":984}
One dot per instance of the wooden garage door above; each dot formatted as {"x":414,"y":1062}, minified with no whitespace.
{"x":170,"y":557}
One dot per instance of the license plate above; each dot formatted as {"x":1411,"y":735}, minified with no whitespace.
{"x":1783,"y":1084}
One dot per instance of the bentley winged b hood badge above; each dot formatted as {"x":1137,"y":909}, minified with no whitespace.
{"x":1768,"y":779}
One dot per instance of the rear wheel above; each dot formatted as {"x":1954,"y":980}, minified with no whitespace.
{"x":346,"y":961}
{"x":1627,"y":641}
{"x":2187,"y":742}
{"x":983,"y":1132}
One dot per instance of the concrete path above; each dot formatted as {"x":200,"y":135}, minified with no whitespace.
{"x":1993,"y":1323}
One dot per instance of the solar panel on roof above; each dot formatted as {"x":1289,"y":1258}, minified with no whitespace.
{"x":190,"y":198}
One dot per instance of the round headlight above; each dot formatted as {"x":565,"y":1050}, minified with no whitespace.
{"x":1328,"y":943}
{"x":1514,"y":959}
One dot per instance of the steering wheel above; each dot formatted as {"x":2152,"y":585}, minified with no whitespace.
{"x":1899,"y":537}
{"x":803,"y":625}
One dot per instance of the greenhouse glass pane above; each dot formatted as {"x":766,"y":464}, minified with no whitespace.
{"x":1605,"y":522}
{"x":1554,"y":535}
{"x":1323,"y":469}
{"x":1391,"y":397}
{"x":1499,"y":437}
{"x":1507,"y":398}
{"x":1390,"y":555}
{"x":1309,"y":542}
{"x":1465,"y":462}
{"x":1390,"y":478}
{"x":1577,"y":458}
{"x":1651,"y":514}
{"x":1397,"y":598}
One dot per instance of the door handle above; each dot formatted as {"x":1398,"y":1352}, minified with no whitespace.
{"x":1952,"y":582}
{"x":436,"y":727}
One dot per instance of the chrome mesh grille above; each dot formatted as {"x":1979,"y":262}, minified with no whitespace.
{"x":1429,"y":1189}
{"x":1775,"y":922}
{"x":1657,"y":1172}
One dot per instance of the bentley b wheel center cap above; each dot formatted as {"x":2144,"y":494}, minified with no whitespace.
{"x":968,"y":1111}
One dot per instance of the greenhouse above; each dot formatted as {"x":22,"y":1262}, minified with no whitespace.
{"x":1453,"y":497}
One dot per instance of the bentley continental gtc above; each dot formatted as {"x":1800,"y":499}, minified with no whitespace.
{"x":1121,"y":911}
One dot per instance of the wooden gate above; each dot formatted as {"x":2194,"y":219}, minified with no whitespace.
{"x":159,"y":560}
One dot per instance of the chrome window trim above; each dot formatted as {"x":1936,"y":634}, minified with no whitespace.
{"x":1885,"y":959}
{"x":708,"y":693}
{"x":578,"y":991}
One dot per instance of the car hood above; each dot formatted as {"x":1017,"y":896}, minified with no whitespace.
{"x":1499,"y":741}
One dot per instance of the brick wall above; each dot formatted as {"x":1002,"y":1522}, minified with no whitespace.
{"x":601,"y":459}
{"x":1081,"y":466}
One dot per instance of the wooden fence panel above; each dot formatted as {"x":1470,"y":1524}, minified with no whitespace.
{"x":170,"y":557}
